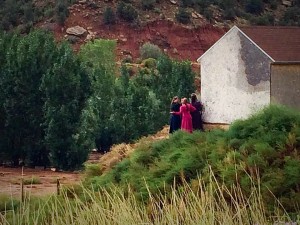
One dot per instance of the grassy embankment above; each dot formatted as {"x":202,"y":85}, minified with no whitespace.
{"x":249,"y":174}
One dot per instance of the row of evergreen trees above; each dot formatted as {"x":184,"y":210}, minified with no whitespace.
{"x":56,"y":105}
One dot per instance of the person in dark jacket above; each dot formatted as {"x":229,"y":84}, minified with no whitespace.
{"x":197,"y":114}
{"x":175,"y":120}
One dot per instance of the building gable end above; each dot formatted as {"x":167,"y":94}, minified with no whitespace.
{"x":229,"y":32}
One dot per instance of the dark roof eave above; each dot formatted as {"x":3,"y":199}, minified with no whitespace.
{"x":286,"y":63}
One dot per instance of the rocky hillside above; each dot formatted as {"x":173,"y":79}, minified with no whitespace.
{"x":177,"y":40}
{"x":183,"y":29}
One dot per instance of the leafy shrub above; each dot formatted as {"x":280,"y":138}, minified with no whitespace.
{"x":254,"y":6}
{"x":201,"y":5}
{"x":127,"y":59}
{"x":183,"y":16}
{"x":149,"y":63}
{"x":291,"y":16}
{"x":61,"y":11}
{"x":229,"y":14}
{"x":267,"y":19}
{"x":227,"y":4}
{"x":149,"y":50}
{"x":148,"y":4}
{"x":109,"y":16}
{"x":92,"y":170}
{"x":28,"y":12}
{"x":32,"y":180}
{"x":274,"y":4}
{"x":186,"y":3}
{"x":49,"y":12}
{"x":126,"y":11}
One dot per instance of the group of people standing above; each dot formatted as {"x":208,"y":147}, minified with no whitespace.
{"x":186,"y":116}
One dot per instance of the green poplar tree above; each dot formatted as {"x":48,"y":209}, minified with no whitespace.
{"x":27,"y":59}
{"x":122,"y":117}
{"x":98,"y":58}
{"x":66,"y":87}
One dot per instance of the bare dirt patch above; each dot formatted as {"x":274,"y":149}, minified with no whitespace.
{"x":10,"y":181}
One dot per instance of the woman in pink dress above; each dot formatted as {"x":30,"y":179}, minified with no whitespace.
{"x":186,"y":118}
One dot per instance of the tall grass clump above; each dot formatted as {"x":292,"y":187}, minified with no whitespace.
{"x":32,"y":180}
{"x":196,"y":203}
{"x":7,"y":203}
{"x":263,"y":150}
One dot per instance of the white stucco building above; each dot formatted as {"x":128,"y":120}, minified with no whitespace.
{"x":235,"y":71}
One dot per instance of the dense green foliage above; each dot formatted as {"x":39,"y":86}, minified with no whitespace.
{"x":25,"y":61}
{"x":23,"y":14}
{"x":122,"y":109}
{"x":126,"y":11}
{"x":56,"y":106}
{"x":61,"y":11}
{"x":183,"y":16}
{"x":66,"y":87}
{"x":263,"y":150}
{"x":43,"y":92}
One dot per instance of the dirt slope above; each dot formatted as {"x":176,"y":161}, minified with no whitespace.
{"x":177,"y":40}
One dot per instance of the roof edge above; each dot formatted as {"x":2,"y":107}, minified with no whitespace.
{"x":232,"y":28}
{"x":256,"y":44}
{"x":286,"y":63}
{"x":235,"y":27}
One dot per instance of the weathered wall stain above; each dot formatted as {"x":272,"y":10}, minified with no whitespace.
{"x":257,"y":64}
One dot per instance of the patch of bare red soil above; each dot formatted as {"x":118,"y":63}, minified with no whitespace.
{"x":176,"y":40}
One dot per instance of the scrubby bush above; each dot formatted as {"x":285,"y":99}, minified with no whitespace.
{"x":291,"y":17}
{"x":149,"y":63}
{"x":149,"y":50}
{"x":61,"y":11}
{"x":109,"y":16}
{"x":227,"y":4}
{"x":183,"y":16}
{"x":229,"y":14}
{"x":186,"y":3}
{"x":126,"y":11}
{"x":254,"y":6}
{"x":208,"y":14}
{"x":148,"y":4}
{"x":127,"y":59}
{"x":274,"y":4}
{"x":32,"y":180}
{"x":267,"y":19}
{"x":92,"y":170}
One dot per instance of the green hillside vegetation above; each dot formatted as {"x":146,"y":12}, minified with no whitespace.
{"x":246,"y":175}
{"x":57,"y":105}
{"x":260,"y":152}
